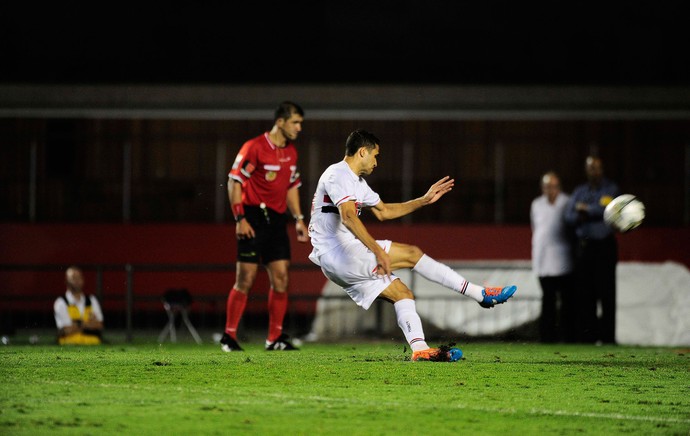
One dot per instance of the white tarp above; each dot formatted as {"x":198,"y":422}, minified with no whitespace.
{"x":653,"y":304}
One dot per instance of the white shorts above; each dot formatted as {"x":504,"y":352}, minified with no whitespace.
{"x":353,"y":267}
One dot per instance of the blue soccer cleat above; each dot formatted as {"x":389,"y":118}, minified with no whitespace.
{"x":454,"y":354}
{"x":494,"y":296}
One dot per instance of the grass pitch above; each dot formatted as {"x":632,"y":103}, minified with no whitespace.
{"x":343,"y":388}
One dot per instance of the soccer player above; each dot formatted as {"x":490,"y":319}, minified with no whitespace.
{"x":263,"y":184}
{"x":363,"y":266}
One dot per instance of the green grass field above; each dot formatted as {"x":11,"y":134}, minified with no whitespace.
{"x":343,"y":388}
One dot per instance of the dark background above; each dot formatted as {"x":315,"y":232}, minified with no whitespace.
{"x":443,"y":42}
{"x":638,"y":50}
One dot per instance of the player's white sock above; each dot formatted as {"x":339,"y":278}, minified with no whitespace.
{"x":410,"y":324}
{"x":445,"y":276}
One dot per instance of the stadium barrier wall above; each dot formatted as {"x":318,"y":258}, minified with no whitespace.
{"x":650,"y":315}
{"x":200,"y":257}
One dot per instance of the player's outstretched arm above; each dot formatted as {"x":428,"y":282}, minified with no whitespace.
{"x":388,"y":211}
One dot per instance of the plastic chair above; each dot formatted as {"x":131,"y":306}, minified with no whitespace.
{"x":177,"y":301}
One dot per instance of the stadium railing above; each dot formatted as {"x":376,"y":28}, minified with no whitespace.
{"x":27,"y":301}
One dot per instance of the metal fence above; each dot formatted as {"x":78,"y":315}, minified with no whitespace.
{"x":139,"y":309}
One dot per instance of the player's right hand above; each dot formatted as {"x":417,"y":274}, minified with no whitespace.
{"x":383,"y":261}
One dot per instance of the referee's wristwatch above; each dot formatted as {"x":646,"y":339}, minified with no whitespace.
{"x":298,"y":217}
{"x":239,"y":218}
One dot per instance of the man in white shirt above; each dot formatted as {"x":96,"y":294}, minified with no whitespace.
{"x":363,"y":266}
{"x":552,"y":261}
{"x":78,"y":317}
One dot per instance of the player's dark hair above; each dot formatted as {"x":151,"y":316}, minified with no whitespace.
{"x":358,"y":139}
{"x":286,"y":109}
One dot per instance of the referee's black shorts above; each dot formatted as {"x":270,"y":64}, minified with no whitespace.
{"x":271,"y":241}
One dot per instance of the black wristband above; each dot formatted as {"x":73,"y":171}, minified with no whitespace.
{"x":239,"y":218}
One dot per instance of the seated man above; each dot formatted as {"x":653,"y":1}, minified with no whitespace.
{"x":78,"y":317}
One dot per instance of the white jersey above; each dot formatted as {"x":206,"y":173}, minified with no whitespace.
{"x":337,"y":185}
{"x":551,"y":251}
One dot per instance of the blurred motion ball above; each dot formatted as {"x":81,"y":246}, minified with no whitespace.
{"x":624,"y":213}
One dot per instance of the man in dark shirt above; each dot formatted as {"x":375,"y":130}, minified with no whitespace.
{"x":596,"y":254}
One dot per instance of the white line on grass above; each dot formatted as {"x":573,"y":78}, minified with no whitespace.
{"x":609,"y":416}
{"x":617,"y":416}
{"x":291,"y":399}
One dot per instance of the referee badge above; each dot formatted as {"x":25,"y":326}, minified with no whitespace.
{"x":271,"y":176}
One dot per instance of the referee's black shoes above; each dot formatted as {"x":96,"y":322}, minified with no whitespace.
{"x":281,"y":344}
{"x":228,"y":344}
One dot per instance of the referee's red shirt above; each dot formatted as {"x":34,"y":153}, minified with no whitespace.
{"x":266,"y":172}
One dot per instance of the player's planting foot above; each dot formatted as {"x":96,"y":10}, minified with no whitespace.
{"x":494,"y":296}
{"x":442,"y":354}
{"x":228,"y":344}
{"x":281,"y":344}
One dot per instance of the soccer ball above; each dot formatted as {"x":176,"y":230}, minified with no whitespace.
{"x":624,"y":213}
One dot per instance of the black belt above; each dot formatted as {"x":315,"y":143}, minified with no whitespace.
{"x":329,"y":209}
